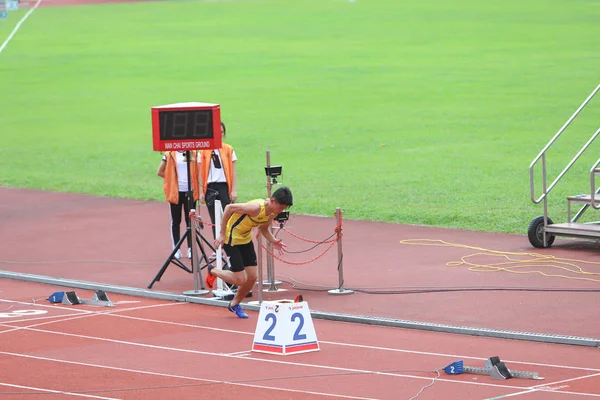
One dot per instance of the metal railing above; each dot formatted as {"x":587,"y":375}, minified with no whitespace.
{"x":542,"y":156}
{"x":593,"y":190}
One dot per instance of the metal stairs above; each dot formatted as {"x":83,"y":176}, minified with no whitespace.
{"x":542,"y":230}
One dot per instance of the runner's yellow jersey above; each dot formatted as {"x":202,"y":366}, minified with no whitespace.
{"x":239,"y":226}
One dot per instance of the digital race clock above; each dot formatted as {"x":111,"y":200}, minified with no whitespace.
{"x":186,"y":126}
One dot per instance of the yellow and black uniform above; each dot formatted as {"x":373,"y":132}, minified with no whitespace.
{"x":238,"y":237}
{"x":239,"y":226}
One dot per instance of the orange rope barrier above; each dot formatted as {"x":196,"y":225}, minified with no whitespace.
{"x":310,"y":240}
{"x":337,"y":231}
{"x":300,"y":262}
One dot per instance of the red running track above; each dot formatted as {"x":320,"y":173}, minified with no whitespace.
{"x":150,"y":349}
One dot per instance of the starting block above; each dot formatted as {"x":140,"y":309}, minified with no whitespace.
{"x":284,"y":327}
{"x":493,"y":367}
{"x":99,"y":299}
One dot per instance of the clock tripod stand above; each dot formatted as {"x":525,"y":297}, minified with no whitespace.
{"x":195,"y":237}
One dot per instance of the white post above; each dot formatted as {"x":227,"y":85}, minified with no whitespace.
{"x":260,"y":270}
{"x":218,"y":250}
{"x":220,"y":290}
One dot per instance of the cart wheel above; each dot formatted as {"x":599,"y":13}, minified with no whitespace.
{"x":536,"y":233}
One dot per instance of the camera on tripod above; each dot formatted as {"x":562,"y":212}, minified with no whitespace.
{"x":282,"y":217}
{"x":273,"y":171}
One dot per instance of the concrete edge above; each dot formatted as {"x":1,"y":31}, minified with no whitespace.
{"x":389,"y":322}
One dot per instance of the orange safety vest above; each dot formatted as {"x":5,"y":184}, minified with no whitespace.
{"x":171,"y":184}
{"x":226,"y":152}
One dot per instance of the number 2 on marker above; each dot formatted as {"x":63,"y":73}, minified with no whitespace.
{"x":273,"y":318}
{"x":297,"y":334}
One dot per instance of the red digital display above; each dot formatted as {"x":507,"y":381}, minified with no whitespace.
{"x":186,"y":126}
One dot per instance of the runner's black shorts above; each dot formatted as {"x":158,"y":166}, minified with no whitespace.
{"x":241,"y":256}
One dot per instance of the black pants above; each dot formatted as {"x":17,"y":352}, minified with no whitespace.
{"x":182,"y":205}
{"x":216,"y":191}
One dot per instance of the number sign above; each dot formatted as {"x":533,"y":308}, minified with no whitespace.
{"x":284,"y":327}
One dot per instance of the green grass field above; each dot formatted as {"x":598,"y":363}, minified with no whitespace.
{"x":424,"y":113}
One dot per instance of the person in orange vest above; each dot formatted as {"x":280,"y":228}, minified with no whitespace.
{"x":173,"y":169}
{"x":218,"y":177}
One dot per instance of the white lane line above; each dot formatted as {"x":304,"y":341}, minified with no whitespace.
{"x":206,"y":381}
{"x":37,"y":389}
{"x":341,"y":370}
{"x":246,"y":356}
{"x":417,"y":352}
{"x":116,"y":313}
{"x":505,"y":396}
{"x":19,"y":25}
{"x":71,"y":317}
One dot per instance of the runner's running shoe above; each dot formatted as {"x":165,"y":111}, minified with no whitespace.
{"x":237,"y":309}
{"x":210,"y":278}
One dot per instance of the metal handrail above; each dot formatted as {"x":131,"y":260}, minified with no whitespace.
{"x":542,"y":155}
{"x":593,"y":171}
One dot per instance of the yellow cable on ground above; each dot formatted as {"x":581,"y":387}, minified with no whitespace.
{"x":514,"y":262}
